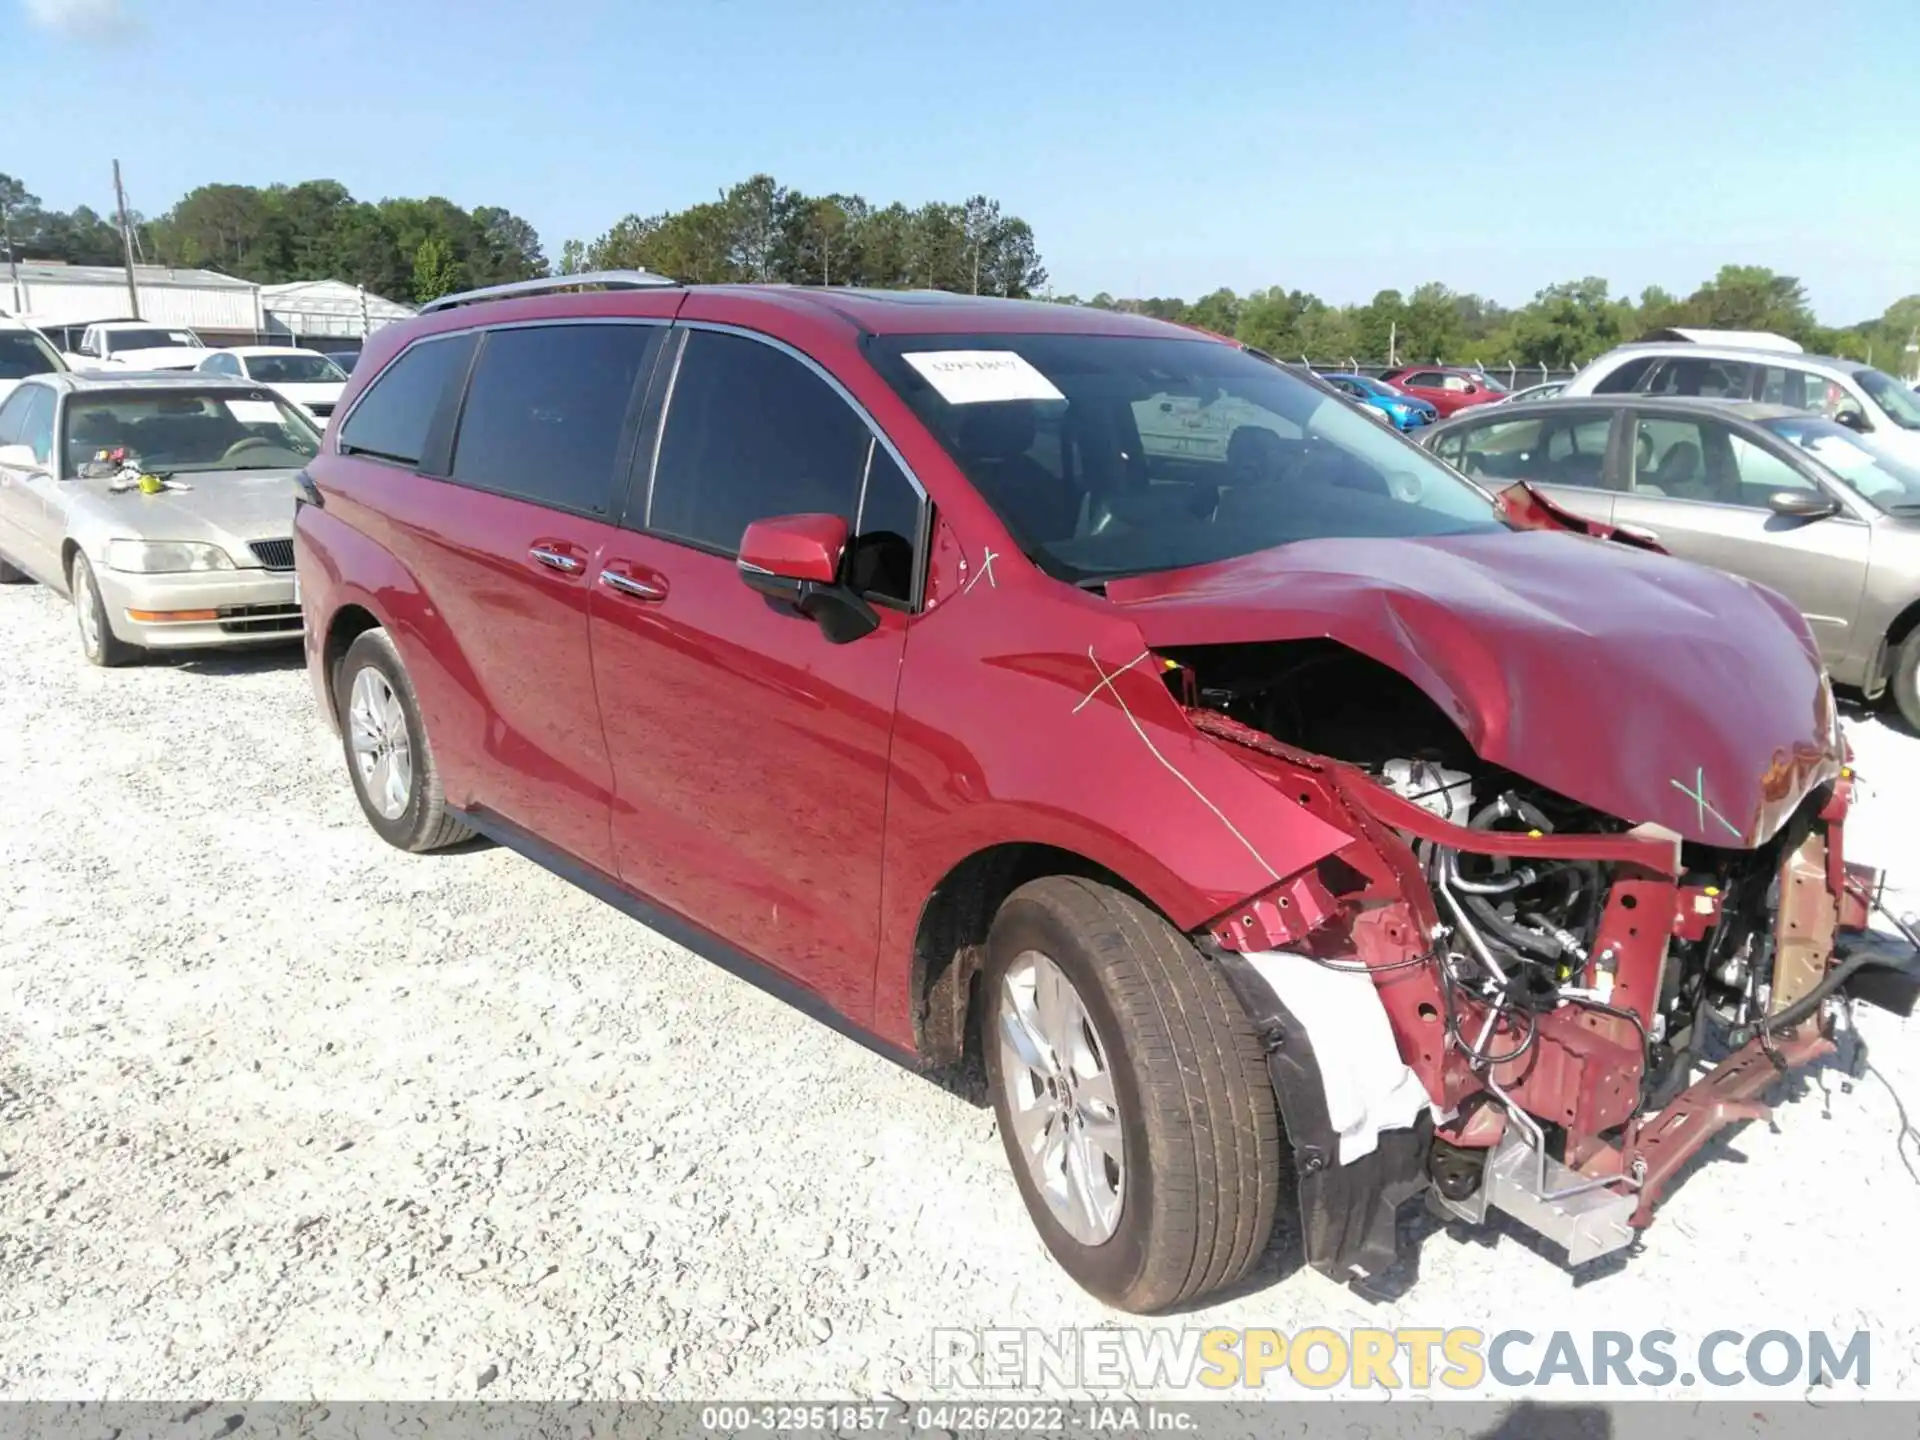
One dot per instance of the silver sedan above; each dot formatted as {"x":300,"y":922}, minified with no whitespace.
{"x":161,"y":504}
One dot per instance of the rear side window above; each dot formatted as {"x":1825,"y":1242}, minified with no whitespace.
{"x":393,"y":419}
{"x":546,"y":409}
{"x":751,"y":433}
{"x":1624,"y":379}
{"x":1710,"y":379}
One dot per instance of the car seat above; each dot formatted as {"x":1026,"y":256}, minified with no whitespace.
{"x":1035,"y":502}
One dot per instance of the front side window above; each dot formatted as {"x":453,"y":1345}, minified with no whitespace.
{"x":1426,"y":380}
{"x":1900,"y":404}
{"x":392,"y":418}
{"x":1242,"y":454}
{"x":36,"y":426}
{"x":1703,"y":460}
{"x":13,"y":413}
{"x":23,"y":353}
{"x":1624,"y":378}
{"x":174,"y":430}
{"x":1883,"y":477}
{"x":1692,"y":375}
{"x":545,"y":411}
{"x":751,"y":433}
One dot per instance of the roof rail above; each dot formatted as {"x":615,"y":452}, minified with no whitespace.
{"x":549,"y":284}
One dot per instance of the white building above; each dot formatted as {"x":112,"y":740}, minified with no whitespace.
{"x":325,"y":309}
{"x":221,"y":309}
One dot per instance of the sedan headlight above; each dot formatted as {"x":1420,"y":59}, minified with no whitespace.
{"x":165,"y":557}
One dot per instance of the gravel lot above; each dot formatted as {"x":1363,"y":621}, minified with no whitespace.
{"x":286,"y":1114}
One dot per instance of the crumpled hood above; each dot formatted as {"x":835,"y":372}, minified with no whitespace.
{"x":1647,"y":687}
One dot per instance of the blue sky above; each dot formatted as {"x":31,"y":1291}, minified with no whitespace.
{"x":1156,"y":149}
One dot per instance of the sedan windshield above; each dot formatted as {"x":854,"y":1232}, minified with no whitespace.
{"x":1900,"y":403}
{"x":1379,"y":387}
{"x":1110,"y":456}
{"x":118,"y":340}
{"x":1875,"y":472}
{"x":295,"y":370}
{"x":23,"y":353}
{"x":177,"y":430}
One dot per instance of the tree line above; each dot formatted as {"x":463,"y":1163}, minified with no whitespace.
{"x":1562,"y":327}
{"x":761,"y":230}
{"x":405,"y":249}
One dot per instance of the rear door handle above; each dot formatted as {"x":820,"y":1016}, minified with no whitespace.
{"x":554,"y":559}
{"x":638,"y":588}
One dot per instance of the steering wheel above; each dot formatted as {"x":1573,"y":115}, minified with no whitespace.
{"x":248,"y":442}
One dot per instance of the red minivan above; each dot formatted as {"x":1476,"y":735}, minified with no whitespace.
{"x":1249,"y":789}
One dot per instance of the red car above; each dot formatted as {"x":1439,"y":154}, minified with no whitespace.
{"x":1446,"y":388}
{"x":1287,"y":821}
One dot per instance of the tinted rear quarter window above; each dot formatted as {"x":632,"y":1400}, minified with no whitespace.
{"x":392,"y":420}
{"x":751,"y":433}
{"x":1623,"y":379}
{"x":546,"y":411}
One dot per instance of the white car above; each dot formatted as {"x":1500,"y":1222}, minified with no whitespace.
{"x":306,"y":377}
{"x":1856,"y":395}
{"x":25,"y":351}
{"x":139,"y":345}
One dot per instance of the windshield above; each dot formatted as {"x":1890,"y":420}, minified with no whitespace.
{"x":1378,"y":387}
{"x":23,"y":353}
{"x":177,"y":430}
{"x":1876,"y":473}
{"x":150,"y":340}
{"x":1109,"y":455}
{"x":295,"y":369}
{"x":1900,"y":403}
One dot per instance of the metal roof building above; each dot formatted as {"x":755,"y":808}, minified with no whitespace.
{"x":74,"y":294}
{"x":309,"y":308}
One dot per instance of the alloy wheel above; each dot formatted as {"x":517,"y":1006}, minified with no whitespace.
{"x":382,"y":751}
{"x":1061,"y":1099}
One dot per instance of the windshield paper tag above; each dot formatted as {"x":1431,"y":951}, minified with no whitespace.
{"x":979,"y":377}
{"x":254,"y":412}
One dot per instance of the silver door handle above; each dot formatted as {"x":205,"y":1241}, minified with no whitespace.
{"x":627,"y":585}
{"x":554,"y":560}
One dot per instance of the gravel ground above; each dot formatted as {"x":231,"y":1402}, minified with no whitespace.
{"x":285,"y":1113}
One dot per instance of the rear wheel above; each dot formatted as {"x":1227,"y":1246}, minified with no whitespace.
{"x":1905,"y":681}
{"x":97,"y":640}
{"x":1132,"y":1095}
{"x":386,"y":747}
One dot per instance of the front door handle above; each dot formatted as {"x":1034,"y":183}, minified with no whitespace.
{"x":556,"y":560}
{"x":633,"y":585}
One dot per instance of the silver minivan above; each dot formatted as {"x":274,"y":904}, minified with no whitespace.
{"x":1822,"y":513}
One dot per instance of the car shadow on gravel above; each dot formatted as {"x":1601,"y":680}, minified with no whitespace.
{"x":263,"y":661}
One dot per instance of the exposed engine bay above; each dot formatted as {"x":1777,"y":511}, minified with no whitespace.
{"x":1586,"y":1001}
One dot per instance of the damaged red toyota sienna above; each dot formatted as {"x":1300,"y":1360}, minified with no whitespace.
{"x":1288,"y":822}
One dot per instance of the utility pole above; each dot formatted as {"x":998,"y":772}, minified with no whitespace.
{"x":126,"y":240}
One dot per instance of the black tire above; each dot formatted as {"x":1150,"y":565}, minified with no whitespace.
{"x":423,"y":823}
{"x":1191,"y":1084}
{"x":97,"y":640}
{"x":1905,"y":681}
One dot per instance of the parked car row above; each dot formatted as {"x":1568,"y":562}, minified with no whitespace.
{"x":1287,"y":818}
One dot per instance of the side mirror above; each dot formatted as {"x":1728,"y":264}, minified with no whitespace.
{"x":794,"y":560}
{"x":20,"y":457}
{"x":1852,"y":419}
{"x":1803,"y":504}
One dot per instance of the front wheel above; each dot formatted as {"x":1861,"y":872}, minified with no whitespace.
{"x":1905,"y":681}
{"x":97,"y":640}
{"x":386,"y":745}
{"x":1132,"y":1096}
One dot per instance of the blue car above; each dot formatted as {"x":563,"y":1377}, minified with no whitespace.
{"x":1405,"y":411}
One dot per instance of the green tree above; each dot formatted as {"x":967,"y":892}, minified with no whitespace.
{"x":1752,"y":297}
{"x":435,"y":271}
{"x":1218,"y":312}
